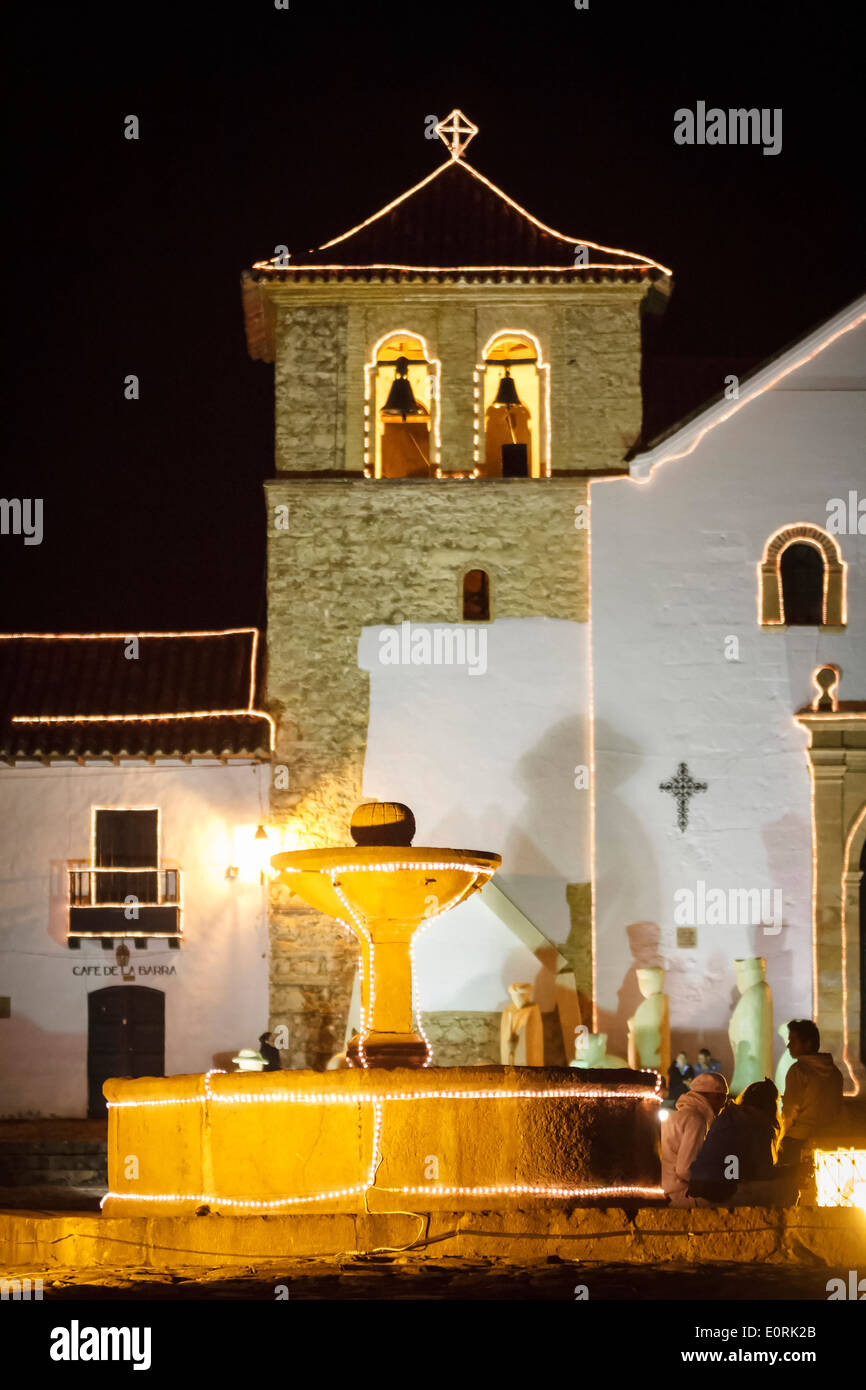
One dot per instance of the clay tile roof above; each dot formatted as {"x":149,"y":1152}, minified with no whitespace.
{"x":185,"y":694}
{"x":456,"y":219}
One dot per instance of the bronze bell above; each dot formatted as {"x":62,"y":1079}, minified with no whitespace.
{"x":507,"y":393}
{"x":400,"y":400}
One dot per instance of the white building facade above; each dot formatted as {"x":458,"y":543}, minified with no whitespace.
{"x":696,"y":662}
{"x":133,"y":932}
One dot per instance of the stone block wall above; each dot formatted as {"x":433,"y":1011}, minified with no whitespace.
{"x":589,"y":335}
{"x":309,"y":385}
{"x":462,"y":1039}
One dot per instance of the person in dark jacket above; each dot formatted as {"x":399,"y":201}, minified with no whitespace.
{"x":813,"y":1090}
{"x":706,"y":1062}
{"x":270,"y":1053}
{"x":679,"y":1077}
{"x":740,"y":1149}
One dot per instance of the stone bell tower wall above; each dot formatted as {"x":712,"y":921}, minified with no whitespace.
{"x":359,"y":553}
{"x":324,"y":334}
{"x":350,"y":553}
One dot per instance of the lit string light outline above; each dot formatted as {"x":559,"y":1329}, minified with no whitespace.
{"x":377,"y":1100}
{"x":643,"y":465}
{"x":635,"y":261}
{"x":800,"y":533}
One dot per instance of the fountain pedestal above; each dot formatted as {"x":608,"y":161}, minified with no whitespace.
{"x":385,"y":894}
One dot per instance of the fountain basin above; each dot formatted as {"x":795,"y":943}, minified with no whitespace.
{"x":384,"y":884}
{"x":453,"y":1138}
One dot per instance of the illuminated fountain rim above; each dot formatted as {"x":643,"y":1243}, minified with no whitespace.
{"x":386,"y":858}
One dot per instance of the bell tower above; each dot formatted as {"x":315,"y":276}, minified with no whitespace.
{"x":449,"y":374}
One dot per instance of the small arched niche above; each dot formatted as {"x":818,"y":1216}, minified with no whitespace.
{"x":511,"y":406}
{"x":476,"y":596}
{"x":401,"y":424}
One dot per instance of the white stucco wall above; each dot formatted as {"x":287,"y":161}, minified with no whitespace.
{"x":673,"y":576}
{"x":217,"y":999}
{"x":487,"y":762}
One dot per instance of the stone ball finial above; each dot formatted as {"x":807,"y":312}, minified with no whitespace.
{"x":382,"y":823}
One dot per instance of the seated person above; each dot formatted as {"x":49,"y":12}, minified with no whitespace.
{"x":269,"y":1052}
{"x":706,"y":1062}
{"x":813,"y":1090}
{"x":679,"y":1077}
{"x":738,"y":1157}
{"x":683,"y":1134}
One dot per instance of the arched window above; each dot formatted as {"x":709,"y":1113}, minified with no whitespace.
{"x":802,"y":574}
{"x":512,"y":408}
{"x":476,"y":597}
{"x":401,"y":412}
{"x":802,"y":579}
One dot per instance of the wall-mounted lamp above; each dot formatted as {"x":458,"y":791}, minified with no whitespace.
{"x":252,"y":855}
{"x":121,"y":955}
{"x":263,"y":845}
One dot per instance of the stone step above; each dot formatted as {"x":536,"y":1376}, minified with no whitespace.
{"x":53,"y":1146}
{"x":52,"y":1163}
{"x":22,"y":1163}
{"x":54,"y":1177}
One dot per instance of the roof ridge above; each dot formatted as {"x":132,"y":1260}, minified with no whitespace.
{"x":635,"y":258}
{"x":681,"y":439}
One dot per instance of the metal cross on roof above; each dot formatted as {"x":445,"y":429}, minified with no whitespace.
{"x":683,"y":788}
{"x":452,"y":128}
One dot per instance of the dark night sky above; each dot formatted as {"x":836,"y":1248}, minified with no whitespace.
{"x":261,"y":126}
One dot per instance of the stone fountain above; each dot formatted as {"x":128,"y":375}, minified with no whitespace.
{"x":391,"y":1131}
{"x":383,"y":890}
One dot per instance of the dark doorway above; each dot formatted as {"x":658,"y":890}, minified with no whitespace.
{"x":802,"y":570}
{"x":125,"y":1037}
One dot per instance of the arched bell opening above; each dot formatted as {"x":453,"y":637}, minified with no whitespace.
{"x":401,"y":410}
{"x":512,"y":408}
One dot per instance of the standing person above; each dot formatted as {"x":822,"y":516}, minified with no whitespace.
{"x":684,"y":1133}
{"x":738,"y":1158}
{"x":813,"y":1090}
{"x":706,"y":1062}
{"x":680,"y":1077}
{"x":270,"y":1053}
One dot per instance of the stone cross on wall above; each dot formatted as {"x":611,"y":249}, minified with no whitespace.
{"x":682,"y":787}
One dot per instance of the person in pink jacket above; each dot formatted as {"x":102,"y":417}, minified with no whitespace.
{"x":683,"y":1134}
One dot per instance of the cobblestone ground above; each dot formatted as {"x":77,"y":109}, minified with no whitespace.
{"x":411,"y":1279}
